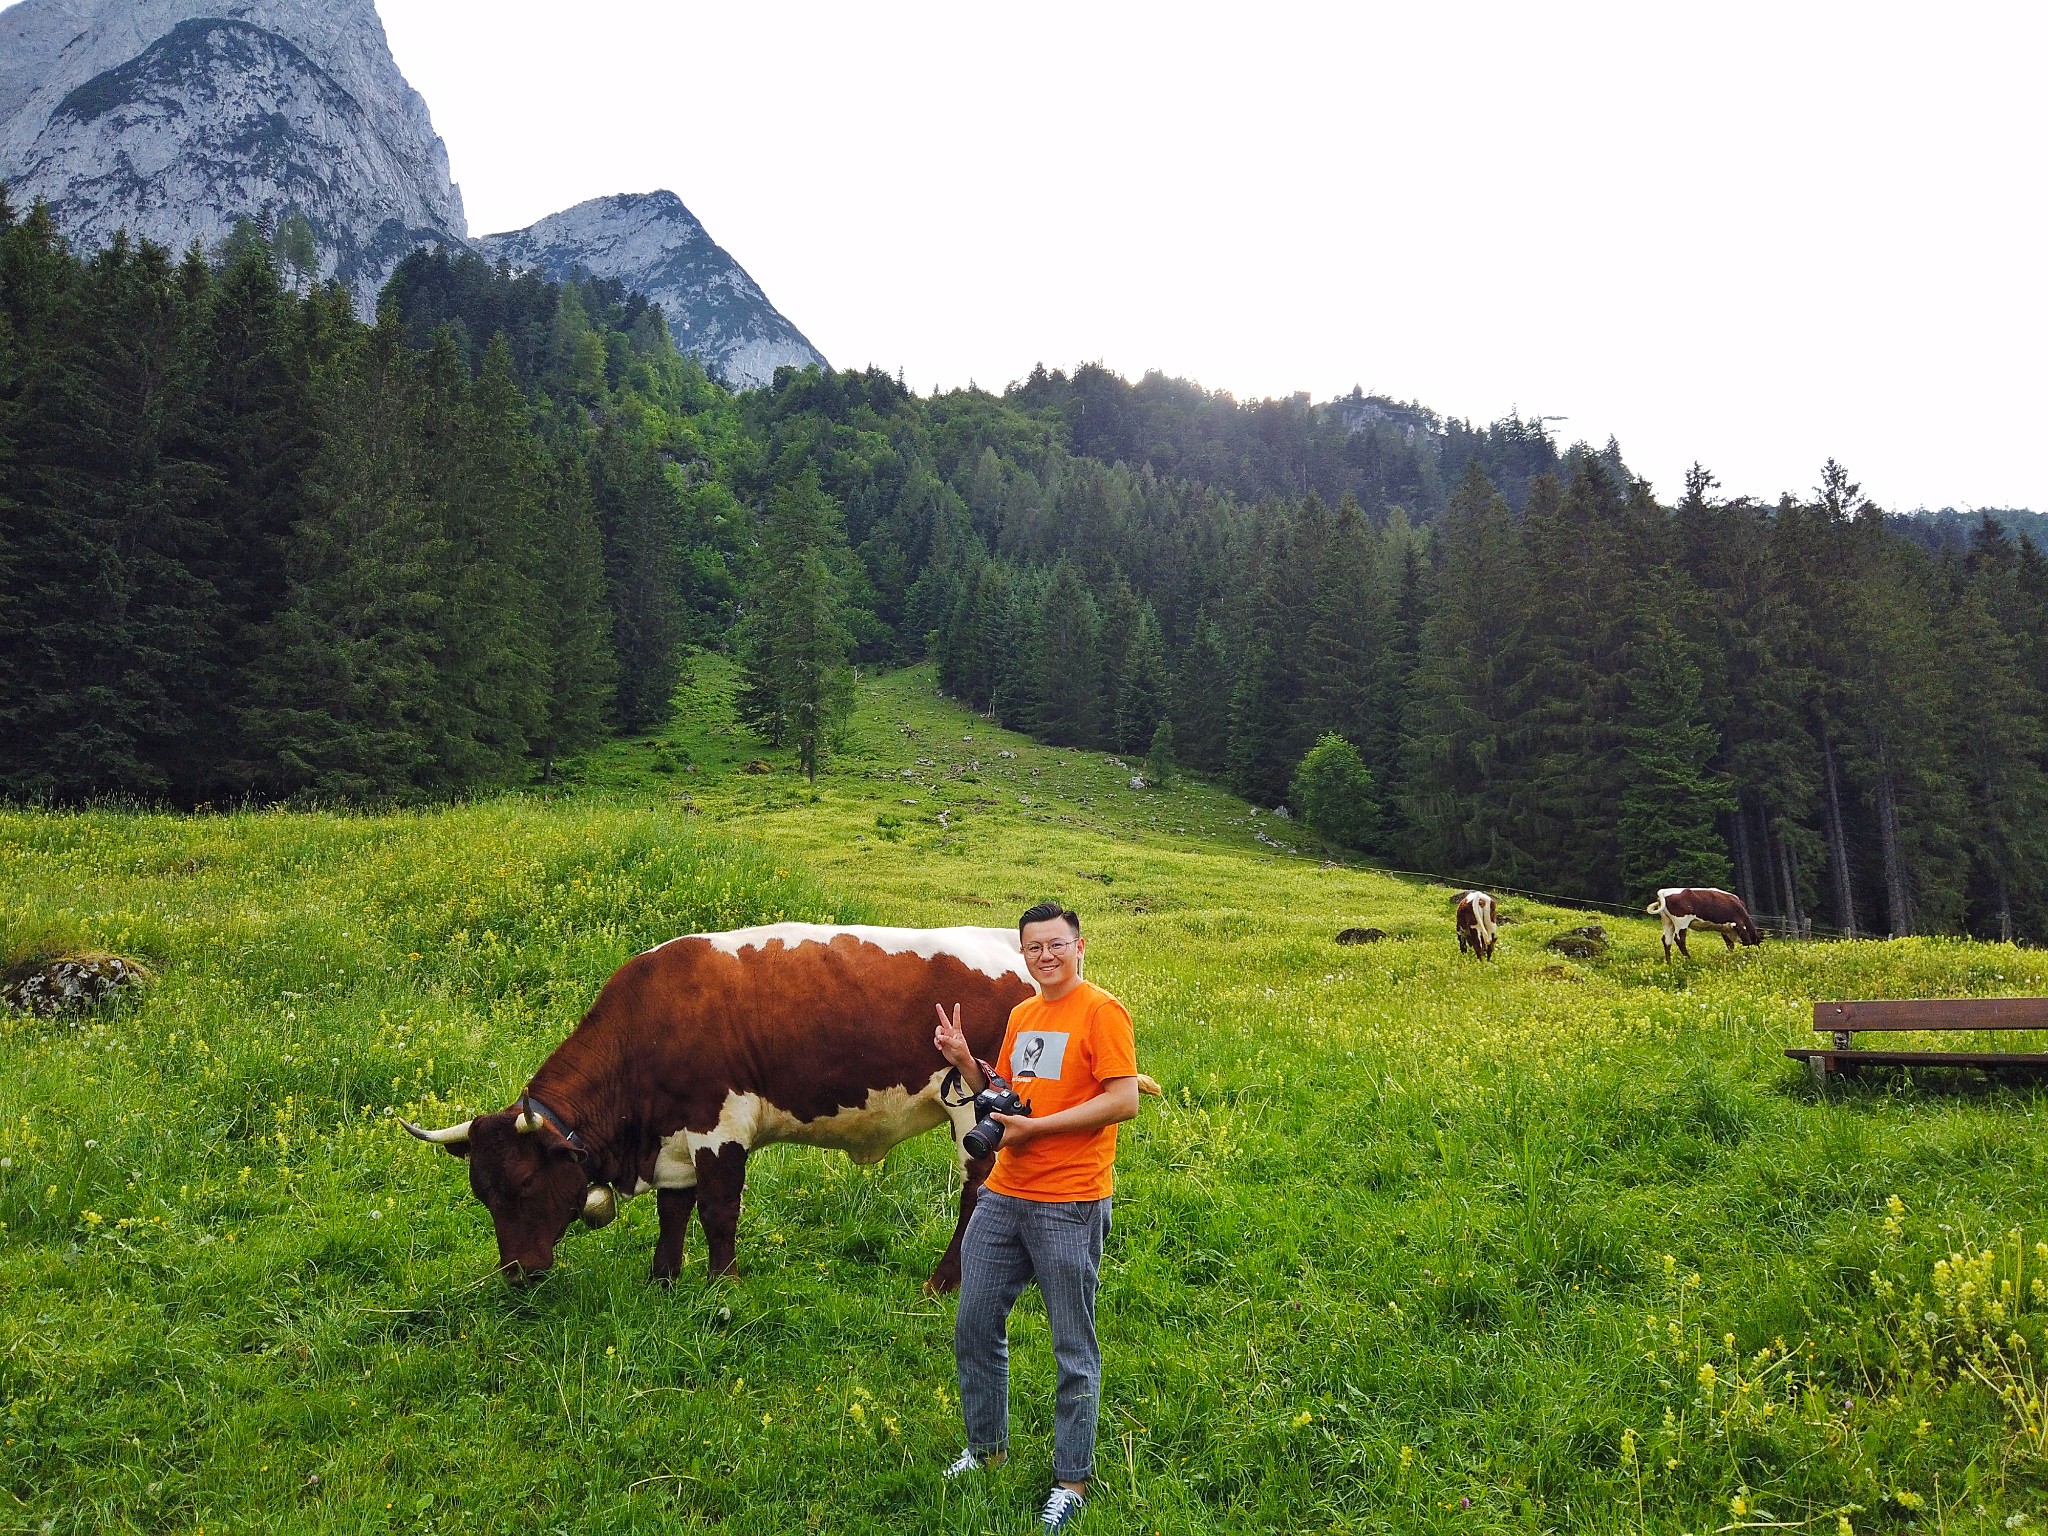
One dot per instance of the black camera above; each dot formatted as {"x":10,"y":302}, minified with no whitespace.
{"x":998,"y":1098}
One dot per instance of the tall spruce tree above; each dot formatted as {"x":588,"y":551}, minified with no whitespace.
{"x":582,"y":672}
{"x":637,"y":518}
{"x":343,"y":690}
{"x":1141,"y":686}
{"x":1461,"y":754}
{"x":796,"y":686}
{"x":1066,"y":652}
{"x":1671,"y":801}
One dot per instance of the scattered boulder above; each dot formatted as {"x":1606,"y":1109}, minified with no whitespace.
{"x":1138,"y":781}
{"x":1590,"y":931}
{"x":757,"y":766}
{"x":1579,"y":945}
{"x":70,"y":984}
{"x":1361,"y":936}
{"x":1283,"y":813}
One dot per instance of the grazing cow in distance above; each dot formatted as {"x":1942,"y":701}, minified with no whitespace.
{"x":1683,"y":907}
{"x":1477,"y":929}
{"x":712,"y":1044}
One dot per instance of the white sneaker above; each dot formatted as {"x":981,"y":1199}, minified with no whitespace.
{"x":1063,"y":1507}
{"x":972,"y":1460}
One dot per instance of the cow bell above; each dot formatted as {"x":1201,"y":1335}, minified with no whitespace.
{"x":600,"y":1205}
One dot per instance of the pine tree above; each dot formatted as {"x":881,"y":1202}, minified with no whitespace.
{"x":1257,"y":768}
{"x":1161,"y":767}
{"x":637,"y":518}
{"x":1201,"y":692}
{"x":1341,"y":654}
{"x":343,"y":691}
{"x":1066,"y":653}
{"x":484,"y":476}
{"x":255,"y":434}
{"x":1999,"y":746}
{"x":1671,"y":802}
{"x":1141,"y":686}
{"x":1460,"y":754}
{"x":796,"y":686}
{"x":582,"y":671}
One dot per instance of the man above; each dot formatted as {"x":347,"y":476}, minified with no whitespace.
{"x":1044,"y":1213}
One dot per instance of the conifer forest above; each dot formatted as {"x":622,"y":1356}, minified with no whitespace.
{"x":255,"y":548}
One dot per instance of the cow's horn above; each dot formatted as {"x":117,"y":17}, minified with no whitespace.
{"x":599,"y":1205}
{"x":529,"y":1119}
{"x":453,"y":1136}
{"x":1149,"y":1085}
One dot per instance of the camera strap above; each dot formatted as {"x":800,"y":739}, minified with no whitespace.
{"x":953,"y":1083}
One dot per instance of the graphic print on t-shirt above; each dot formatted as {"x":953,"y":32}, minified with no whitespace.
{"x":1038,"y":1053}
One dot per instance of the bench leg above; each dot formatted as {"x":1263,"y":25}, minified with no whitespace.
{"x":1818,"y":1066}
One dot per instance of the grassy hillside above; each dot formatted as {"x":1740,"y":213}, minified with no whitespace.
{"x":1413,"y":1244}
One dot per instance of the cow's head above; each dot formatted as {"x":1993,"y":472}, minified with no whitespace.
{"x":529,"y":1178}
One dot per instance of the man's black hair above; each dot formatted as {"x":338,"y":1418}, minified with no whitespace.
{"x":1047,"y":911}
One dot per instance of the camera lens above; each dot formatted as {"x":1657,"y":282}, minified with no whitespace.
{"x":986,"y":1136}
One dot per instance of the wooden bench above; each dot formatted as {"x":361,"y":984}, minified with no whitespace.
{"x":1846,"y":1020}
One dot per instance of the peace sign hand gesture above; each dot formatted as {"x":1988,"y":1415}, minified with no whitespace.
{"x":951,"y":1042}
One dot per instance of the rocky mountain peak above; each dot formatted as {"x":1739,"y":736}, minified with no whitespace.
{"x":653,"y":244}
{"x":175,"y":119}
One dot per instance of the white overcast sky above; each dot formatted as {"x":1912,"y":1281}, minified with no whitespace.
{"x":1751,"y":235}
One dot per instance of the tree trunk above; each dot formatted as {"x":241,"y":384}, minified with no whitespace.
{"x":1745,"y":873}
{"x":1779,"y":862}
{"x":2004,"y":910}
{"x":1838,"y":844}
{"x":1898,"y":894}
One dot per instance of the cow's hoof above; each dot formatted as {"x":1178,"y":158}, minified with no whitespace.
{"x":942,"y":1284}
{"x":663,"y":1279}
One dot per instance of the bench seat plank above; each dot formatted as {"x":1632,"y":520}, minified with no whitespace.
{"x":1932,"y":1013}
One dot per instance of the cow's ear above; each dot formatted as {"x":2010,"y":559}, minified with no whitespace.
{"x":457,"y":1149}
{"x":559,"y":1148}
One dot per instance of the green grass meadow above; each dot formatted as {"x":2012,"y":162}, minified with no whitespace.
{"x":1412,"y":1243}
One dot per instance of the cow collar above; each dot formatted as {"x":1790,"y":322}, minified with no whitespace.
{"x":534,"y":1106}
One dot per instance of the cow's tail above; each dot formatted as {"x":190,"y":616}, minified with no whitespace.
{"x":1656,"y":908}
{"x":1151,"y":1086}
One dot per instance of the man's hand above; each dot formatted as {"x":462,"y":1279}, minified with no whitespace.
{"x":1018,"y":1129}
{"x":1117,"y":1101}
{"x":951,"y":1042}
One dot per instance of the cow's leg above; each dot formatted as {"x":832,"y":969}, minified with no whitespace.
{"x":1727,"y":938}
{"x":1681,"y":946}
{"x":947,"y":1276}
{"x":721,"y":1177}
{"x":674,"y":1207}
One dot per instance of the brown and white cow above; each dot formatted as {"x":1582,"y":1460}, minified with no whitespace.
{"x":710,"y":1045}
{"x":1478,"y":930}
{"x":1702,"y":906}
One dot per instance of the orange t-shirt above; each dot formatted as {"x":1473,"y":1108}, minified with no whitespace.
{"x":1057,"y":1055}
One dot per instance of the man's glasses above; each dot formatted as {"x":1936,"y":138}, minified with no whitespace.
{"x":1049,"y":947}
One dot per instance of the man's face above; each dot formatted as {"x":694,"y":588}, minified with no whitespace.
{"x":1053,"y":952}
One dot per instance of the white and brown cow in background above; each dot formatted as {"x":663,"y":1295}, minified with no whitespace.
{"x":1478,"y":929}
{"x":713,"y":1044}
{"x":1702,"y":906}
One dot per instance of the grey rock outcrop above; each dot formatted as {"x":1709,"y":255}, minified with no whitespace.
{"x":175,"y":119}
{"x":654,"y":245}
